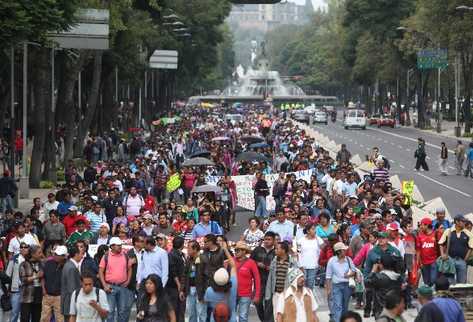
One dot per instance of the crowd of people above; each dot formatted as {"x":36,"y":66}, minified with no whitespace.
{"x":140,"y":227}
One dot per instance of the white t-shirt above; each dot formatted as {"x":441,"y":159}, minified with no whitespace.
{"x":309,"y":250}
{"x":14,"y":246}
{"x":300,"y":310}
{"x":133,"y":205}
{"x":83,"y":311}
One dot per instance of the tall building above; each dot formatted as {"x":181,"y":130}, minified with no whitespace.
{"x":268,"y":16}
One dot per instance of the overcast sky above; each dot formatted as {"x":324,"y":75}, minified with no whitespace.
{"x":316,"y":3}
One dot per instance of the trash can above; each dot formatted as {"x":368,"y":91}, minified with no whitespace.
{"x":458,"y":131}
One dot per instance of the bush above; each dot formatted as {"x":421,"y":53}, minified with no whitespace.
{"x":467,"y":135}
{"x":60,"y":175}
{"x":46,"y":185}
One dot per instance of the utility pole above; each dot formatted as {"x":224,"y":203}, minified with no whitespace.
{"x":12,"y":113}
{"x":24,"y":181}
{"x":457,"y":96}
{"x":439,"y":110}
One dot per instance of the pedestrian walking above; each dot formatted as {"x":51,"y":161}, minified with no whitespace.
{"x":277,"y":282}
{"x":154,"y":261}
{"x":429,"y":312}
{"x":298,"y":302}
{"x":31,"y":274}
{"x":263,"y":256}
{"x":469,"y":157}
{"x":195,"y":305}
{"x":8,"y":189}
{"x":459,"y":157}
{"x":115,"y":275}
{"x":427,"y":251}
{"x":340,"y":269}
{"x":309,"y":251}
{"x":261,"y":192}
{"x":88,"y":304}
{"x":155,"y":305}
{"x":51,"y":284}
{"x":395,"y":306}
{"x":457,"y":243}
{"x":443,"y":159}
{"x":13,"y":271}
{"x":70,"y":280}
{"x":249,"y":282}
{"x":421,"y":155}
{"x":175,"y":285}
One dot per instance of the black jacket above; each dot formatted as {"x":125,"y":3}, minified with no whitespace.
{"x":382,"y":283}
{"x":177,"y":265}
{"x":260,"y":255}
{"x":210,"y":262}
{"x":7,"y":187}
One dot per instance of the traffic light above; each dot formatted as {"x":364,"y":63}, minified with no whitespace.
{"x":255,"y":1}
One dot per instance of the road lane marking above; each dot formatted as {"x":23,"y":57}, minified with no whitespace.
{"x":362,"y":146}
{"x":401,"y":166}
{"x":411,"y":139}
{"x":400,"y":147}
{"x":444,"y":185}
{"x":428,"y":158}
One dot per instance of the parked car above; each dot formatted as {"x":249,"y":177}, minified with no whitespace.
{"x":355,"y":119}
{"x":373,"y":120}
{"x":386,"y":120}
{"x":320,"y":117}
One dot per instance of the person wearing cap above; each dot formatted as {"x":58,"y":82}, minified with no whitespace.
{"x":457,"y":243}
{"x":340,"y":268}
{"x":51,"y":284}
{"x":249,"y":282}
{"x":298,"y":302}
{"x":440,"y":219}
{"x":427,"y":251}
{"x":373,"y":257}
{"x":103,"y":236}
{"x":395,"y":238}
{"x":429,"y":312}
{"x":115,"y":271}
{"x":70,"y":219}
{"x":223,"y":287}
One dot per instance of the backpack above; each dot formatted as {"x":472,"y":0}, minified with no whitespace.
{"x":76,"y":294}
{"x":399,"y":265}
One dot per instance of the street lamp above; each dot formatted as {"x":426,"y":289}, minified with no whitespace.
{"x":464,"y":8}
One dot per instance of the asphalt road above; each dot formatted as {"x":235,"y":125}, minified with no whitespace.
{"x":398,"y":145}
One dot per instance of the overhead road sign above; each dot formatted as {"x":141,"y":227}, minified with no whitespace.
{"x":432,"y":59}
{"x":164,"y":59}
{"x":91,"y":31}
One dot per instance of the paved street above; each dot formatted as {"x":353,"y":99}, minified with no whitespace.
{"x":398,"y":145}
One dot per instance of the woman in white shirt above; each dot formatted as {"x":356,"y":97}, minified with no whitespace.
{"x":309,"y":250}
{"x":253,"y":235}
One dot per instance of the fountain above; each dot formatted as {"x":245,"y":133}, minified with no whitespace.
{"x":260,"y":81}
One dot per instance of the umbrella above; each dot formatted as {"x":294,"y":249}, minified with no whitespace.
{"x":201,"y":153}
{"x":207,"y":188}
{"x":221,"y":138}
{"x":196,"y":162}
{"x":259,"y":145}
{"x":252,"y":139}
{"x":251,"y":156}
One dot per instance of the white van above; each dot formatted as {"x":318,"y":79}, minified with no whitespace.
{"x":355,"y":119}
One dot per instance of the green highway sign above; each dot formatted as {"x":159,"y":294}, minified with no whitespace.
{"x":432,"y":59}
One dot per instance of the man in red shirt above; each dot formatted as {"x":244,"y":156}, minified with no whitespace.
{"x":249,"y":283}
{"x":70,"y":220}
{"x":427,"y":251}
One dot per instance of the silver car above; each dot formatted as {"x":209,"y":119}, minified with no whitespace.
{"x":300,"y":115}
{"x":320,"y":117}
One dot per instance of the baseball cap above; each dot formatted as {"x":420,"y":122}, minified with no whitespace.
{"x":221,"y":277}
{"x":459,"y":217}
{"x":426,"y":221}
{"x":425,"y":290}
{"x":340,"y":246}
{"x":60,"y":250}
{"x":115,"y":241}
{"x":73,"y":208}
{"x":392,"y":226}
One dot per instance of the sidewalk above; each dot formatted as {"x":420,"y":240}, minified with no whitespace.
{"x":448,"y":130}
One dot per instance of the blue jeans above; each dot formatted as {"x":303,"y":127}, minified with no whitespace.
{"x":460,"y":268}
{"x":6,"y":204}
{"x":16,"y":306}
{"x":310,"y":275}
{"x":196,"y":311}
{"x":243,"y":308}
{"x":120,"y":301}
{"x":261,"y":207}
{"x":429,"y":273}
{"x":341,"y":293}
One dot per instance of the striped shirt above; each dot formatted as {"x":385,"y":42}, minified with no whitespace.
{"x":381,"y":174}
{"x":281,"y":274}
